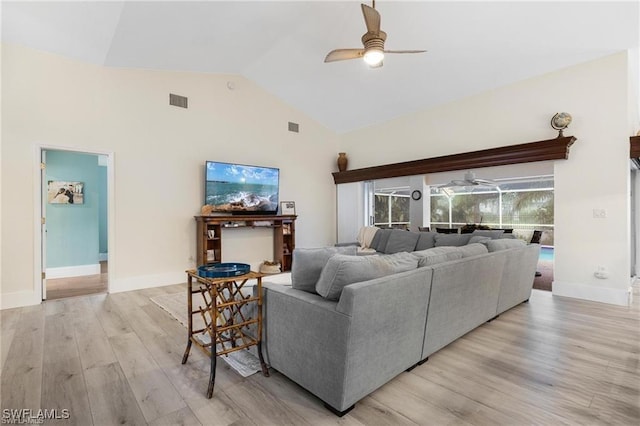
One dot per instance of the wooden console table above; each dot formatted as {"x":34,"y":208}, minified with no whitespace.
{"x":211,"y":229}
{"x":226,"y":320}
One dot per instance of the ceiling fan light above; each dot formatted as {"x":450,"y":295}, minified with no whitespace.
{"x":373,"y":56}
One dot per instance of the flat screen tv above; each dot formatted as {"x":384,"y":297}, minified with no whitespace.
{"x":241,"y":189}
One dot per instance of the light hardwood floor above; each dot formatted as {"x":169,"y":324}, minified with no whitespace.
{"x":58,"y":288}
{"x":115,"y":359}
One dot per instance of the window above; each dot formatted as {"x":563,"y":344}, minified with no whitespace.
{"x":523,"y":205}
{"x":391,"y":208}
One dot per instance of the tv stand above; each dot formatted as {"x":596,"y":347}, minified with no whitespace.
{"x":209,"y":247}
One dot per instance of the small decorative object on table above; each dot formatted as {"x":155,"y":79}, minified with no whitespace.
{"x":206,"y":210}
{"x":287,"y":207}
{"x":268,"y":267}
{"x":221,"y":270}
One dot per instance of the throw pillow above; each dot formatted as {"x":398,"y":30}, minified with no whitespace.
{"x":401,"y":241}
{"x":435,"y":255}
{"x":342,"y":270}
{"x":308,"y":263}
{"x":379,"y":241}
{"x":504,"y":244}
{"x":426,"y":240}
{"x":473,"y":249}
{"x":452,"y":239}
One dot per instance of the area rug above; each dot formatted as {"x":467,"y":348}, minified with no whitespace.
{"x":244,"y":362}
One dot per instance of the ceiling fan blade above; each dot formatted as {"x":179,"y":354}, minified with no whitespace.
{"x":343,"y":54}
{"x":404,"y":51}
{"x":485,"y":182}
{"x":447,"y":185}
{"x":371,"y":18}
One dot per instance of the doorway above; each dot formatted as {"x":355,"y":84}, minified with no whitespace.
{"x":75,"y":205}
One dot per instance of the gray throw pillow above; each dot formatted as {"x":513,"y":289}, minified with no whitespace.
{"x":452,"y":239}
{"x":473,"y":249}
{"x":342,"y":270}
{"x":426,"y":240}
{"x":478,"y":239}
{"x":308,"y":263}
{"x":401,"y":241}
{"x":493,"y":234}
{"x":436,"y":255}
{"x":379,"y":241}
{"x":504,"y":244}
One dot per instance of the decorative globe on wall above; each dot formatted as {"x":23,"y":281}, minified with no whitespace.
{"x":561,"y":121}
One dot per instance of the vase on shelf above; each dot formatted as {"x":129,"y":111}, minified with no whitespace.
{"x":342,"y":161}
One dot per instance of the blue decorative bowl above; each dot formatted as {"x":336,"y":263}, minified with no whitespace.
{"x":221,"y":270}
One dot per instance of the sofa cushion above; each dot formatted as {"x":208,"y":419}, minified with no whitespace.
{"x":401,"y":241}
{"x":478,"y":239}
{"x":379,"y":241}
{"x":342,"y":270}
{"x":473,"y":249}
{"x":426,"y":240}
{"x":494,"y":234}
{"x":436,"y":255}
{"x":504,"y":244}
{"x":308,"y":263}
{"x":452,"y":239}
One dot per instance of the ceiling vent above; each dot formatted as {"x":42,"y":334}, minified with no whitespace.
{"x":294,"y":127}
{"x":177,"y":100}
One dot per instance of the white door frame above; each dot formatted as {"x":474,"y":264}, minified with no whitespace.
{"x":38,"y":203}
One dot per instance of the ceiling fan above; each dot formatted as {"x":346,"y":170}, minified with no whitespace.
{"x":469,"y":180}
{"x":373,"y":41}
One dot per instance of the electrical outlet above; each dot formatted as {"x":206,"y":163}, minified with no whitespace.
{"x":599,"y":213}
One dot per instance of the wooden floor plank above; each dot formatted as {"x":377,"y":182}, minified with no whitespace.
{"x":110,"y":317}
{"x":182,"y":417}
{"x":21,"y":382}
{"x":63,"y":387}
{"x":112,"y":401}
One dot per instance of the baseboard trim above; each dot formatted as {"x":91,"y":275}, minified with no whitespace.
{"x":146,"y":281}
{"x":18,"y":299}
{"x":73,"y":271}
{"x":613,"y":296}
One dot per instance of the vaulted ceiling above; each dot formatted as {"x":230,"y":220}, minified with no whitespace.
{"x":472,"y":46}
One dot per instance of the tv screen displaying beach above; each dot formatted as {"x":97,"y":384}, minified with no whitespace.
{"x":237,"y":188}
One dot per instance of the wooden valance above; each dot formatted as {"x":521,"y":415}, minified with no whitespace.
{"x":552,"y":149}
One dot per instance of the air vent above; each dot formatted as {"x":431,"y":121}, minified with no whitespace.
{"x":177,"y":100}
{"x":293,"y":127}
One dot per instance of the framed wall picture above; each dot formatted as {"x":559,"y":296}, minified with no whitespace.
{"x":61,"y":192}
{"x":287,"y":207}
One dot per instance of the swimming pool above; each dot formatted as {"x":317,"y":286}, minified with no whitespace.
{"x":546,"y":253}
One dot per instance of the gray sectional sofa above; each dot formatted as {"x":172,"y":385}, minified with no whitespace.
{"x":345,"y":337}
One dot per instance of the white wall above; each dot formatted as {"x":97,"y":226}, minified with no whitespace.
{"x":159,"y":153}
{"x":595,"y":177}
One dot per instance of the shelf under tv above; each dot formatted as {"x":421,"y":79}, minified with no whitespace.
{"x":283,"y":242}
